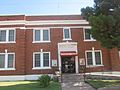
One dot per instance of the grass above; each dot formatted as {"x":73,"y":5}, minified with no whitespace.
{"x":103,"y":83}
{"x":27,"y":85}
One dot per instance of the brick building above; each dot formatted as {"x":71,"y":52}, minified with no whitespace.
{"x":35,"y":45}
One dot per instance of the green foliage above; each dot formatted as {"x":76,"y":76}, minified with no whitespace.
{"x":104,"y":18}
{"x":87,"y":12}
{"x":103,"y":83}
{"x":55,"y":79}
{"x":44,"y":81}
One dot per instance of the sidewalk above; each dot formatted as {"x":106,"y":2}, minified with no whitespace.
{"x":76,"y":86}
{"x":74,"y":82}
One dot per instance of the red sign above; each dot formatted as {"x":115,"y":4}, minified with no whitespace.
{"x":68,"y":54}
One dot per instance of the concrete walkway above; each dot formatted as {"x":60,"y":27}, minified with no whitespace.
{"x":110,"y":88}
{"x":74,"y":82}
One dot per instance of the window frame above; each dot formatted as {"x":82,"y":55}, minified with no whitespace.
{"x":41,"y":35}
{"x":91,"y":38}
{"x":69,"y":34}
{"x":7,"y":36}
{"x":41,"y":63}
{"x":93,"y":58}
{"x":6,"y":61}
{"x":119,"y":54}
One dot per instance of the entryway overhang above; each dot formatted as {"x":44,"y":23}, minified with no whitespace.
{"x":68,"y":49}
{"x":68,"y":53}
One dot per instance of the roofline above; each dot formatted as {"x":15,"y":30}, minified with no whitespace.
{"x":40,"y":15}
{"x":54,"y":15}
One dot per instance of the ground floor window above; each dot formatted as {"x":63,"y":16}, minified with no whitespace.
{"x":119,"y":54}
{"x":41,"y":60}
{"x":94,"y":58}
{"x":7,"y":60}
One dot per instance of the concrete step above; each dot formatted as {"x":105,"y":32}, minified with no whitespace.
{"x":72,"y":78}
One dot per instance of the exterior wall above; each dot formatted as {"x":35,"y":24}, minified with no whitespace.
{"x":115,"y":60}
{"x":19,"y":49}
{"x":24,"y":47}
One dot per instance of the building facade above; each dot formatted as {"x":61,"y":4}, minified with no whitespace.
{"x":35,"y":45}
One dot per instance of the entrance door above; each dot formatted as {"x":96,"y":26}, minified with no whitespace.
{"x":68,"y":64}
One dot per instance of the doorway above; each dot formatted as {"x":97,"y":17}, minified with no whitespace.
{"x":68,"y":64}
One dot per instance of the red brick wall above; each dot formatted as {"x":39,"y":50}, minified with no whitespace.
{"x":56,"y":36}
{"x":12,"y":17}
{"x":115,"y":60}
{"x":24,"y":48}
{"x":77,"y":35}
{"x":19,"y":49}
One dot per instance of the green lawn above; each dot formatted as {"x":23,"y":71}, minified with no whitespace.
{"x":104,"y":83}
{"x":27,"y":85}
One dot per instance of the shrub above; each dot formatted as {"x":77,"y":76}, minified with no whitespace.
{"x":44,"y":80}
{"x":55,"y":79}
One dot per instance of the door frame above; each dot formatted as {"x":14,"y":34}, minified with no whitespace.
{"x":73,"y":49}
{"x":62,"y":60}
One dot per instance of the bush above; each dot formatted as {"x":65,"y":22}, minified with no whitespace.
{"x":55,"y":79}
{"x":44,"y":80}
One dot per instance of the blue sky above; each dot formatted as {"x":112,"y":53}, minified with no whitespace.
{"x":42,"y":7}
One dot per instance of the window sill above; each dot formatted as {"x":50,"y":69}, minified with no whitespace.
{"x":7,"y":42}
{"x":41,"y":41}
{"x":2,"y":69}
{"x":94,"y":66}
{"x":67,"y":39}
{"x":41,"y":68}
{"x":89,"y":40}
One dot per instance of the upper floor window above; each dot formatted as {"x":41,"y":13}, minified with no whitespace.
{"x":7,"y":36}
{"x":66,"y":34}
{"x":41,"y":60}
{"x":94,"y":58}
{"x":87,"y":35}
{"x":7,"y":61}
{"x":42,"y":35}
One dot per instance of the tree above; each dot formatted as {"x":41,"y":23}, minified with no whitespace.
{"x":104,"y":18}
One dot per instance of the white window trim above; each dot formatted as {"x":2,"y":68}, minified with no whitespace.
{"x":7,"y":36}
{"x":41,"y":53}
{"x":69,"y":34}
{"x":93,"y":58}
{"x":6,"y":62}
{"x":91,"y":38}
{"x":119,"y":54}
{"x":41,"y":30}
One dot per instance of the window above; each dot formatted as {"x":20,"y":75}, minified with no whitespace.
{"x":2,"y":61}
{"x":97,"y":58}
{"x":89,"y":58}
{"x":2,"y":35}
{"x":87,"y":35}
{"x":7,"y":36}
{"x":45,"y":35}
{"x":11,"y":35}
{"x":42,"y":35}
{"x":119,"y":53}
{"x":7,"y":61}
{"x":41,"y":60}
{"x":37,"y":60}
{"x":37,"y":35}
{"x":45,"y":59}
{"x":66,"y":34}
{"x":94,"y":58}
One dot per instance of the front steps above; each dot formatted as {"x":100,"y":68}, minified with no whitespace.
{"x":72,"y":78}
